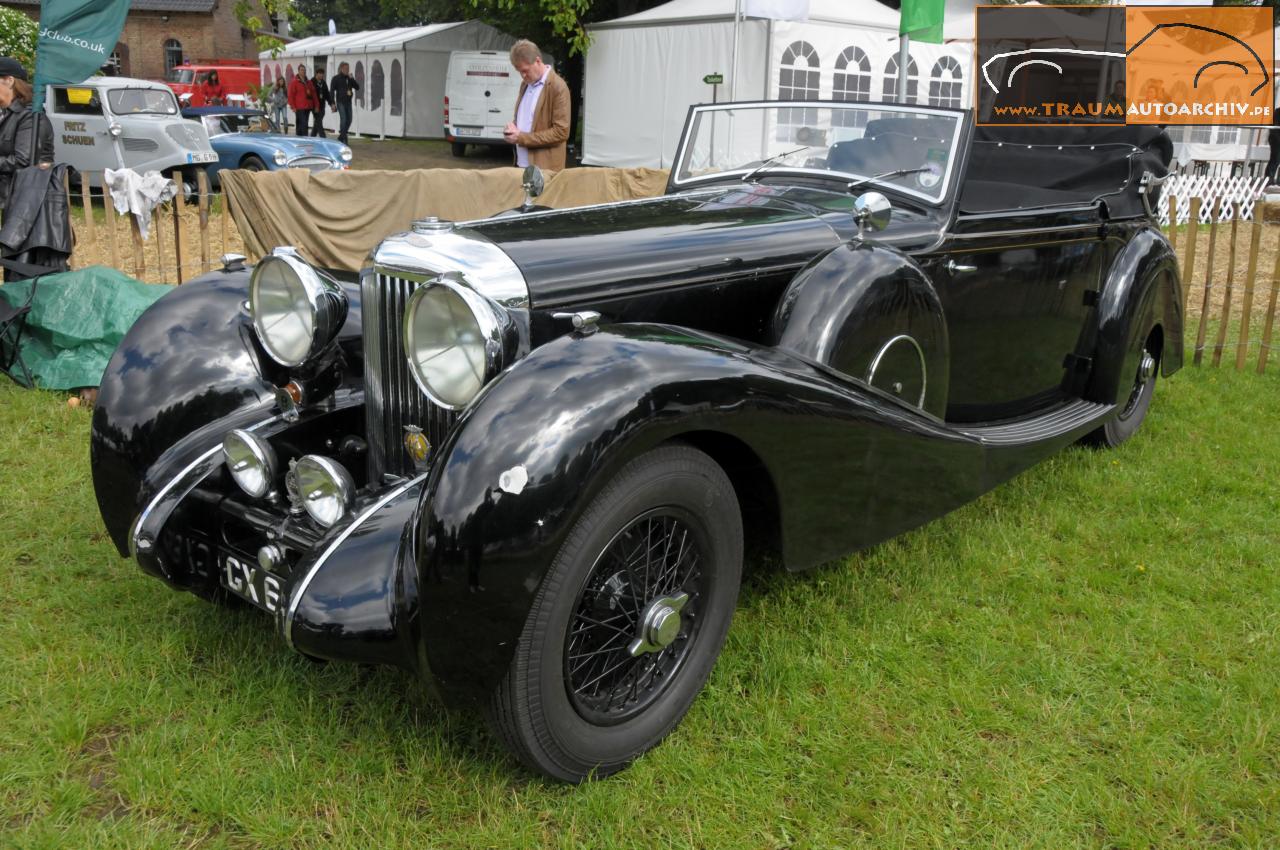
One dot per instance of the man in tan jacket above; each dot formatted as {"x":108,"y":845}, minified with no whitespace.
{"x":540,"y":130}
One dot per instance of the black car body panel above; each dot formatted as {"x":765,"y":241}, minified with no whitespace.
{"x":852,"y":384}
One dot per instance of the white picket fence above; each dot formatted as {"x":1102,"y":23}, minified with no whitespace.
{"x":1227,"y":196}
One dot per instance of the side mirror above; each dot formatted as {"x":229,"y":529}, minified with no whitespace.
{"x":872,"y":210}
{"x":533,"y":183}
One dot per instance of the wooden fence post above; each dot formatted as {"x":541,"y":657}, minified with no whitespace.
{"x":1173,"y":222}
{"x":1250,"y":281}
{"x":1189,"y":265}
{"x":226,"y":224}
{"x":139,"y":248}
{"x":178,"y":204}
{"x":1208,"y":284}
{"x":110,"y":220}
{"x":155,"y":230}
{"x":86,"y":199}
{"x":1227,"y":294}
{"x":202,"y":182}
{"x":1271,"y":317}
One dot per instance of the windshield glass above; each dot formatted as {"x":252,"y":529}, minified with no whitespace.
{"x":255,"y":122}
{"x":181,"y":75}
{"x":135,"y":101}
{"x":908,"y":149}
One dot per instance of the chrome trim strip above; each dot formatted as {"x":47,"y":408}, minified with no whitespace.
{"x":297,"y":591}
{"x":173,"y":482}
{"x":1027,"y":231}
{"x":483,"y":265}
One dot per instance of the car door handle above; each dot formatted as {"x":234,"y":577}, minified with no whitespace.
{"x":956,"y":268}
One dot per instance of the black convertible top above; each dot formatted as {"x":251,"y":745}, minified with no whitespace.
{"x":1026,"y":167}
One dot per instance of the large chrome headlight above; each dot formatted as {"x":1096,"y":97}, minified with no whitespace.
{"x":453,"y":337}
{"x":297,"y":311}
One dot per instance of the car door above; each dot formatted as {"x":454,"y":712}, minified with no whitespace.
{"x":80,"y":128}
{"x":1018,"y":288}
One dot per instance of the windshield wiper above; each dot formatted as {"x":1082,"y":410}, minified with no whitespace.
{"x":897,"y":172}
{"x":770,"y":161}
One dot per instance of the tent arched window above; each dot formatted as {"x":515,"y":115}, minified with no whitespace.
{"x":891,"y":80}
{"x":172,"y":54}
{"x":376,"y":80}
{"x":851,"y":81}
{"x":266,"y":75}
{"x":360,"y":83}
{"x":397,"y":88}
{"x":798,"y":78}
{"x":288,"y":75}
{"x":944,"y":83}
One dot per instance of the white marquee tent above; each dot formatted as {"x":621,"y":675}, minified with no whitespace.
{"x":644,"y":71}
{"x":401,"y":72}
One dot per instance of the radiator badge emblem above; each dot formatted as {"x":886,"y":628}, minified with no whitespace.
{"x":416,"y":444}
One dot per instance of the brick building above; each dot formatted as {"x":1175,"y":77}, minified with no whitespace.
{"x":159,"y":34}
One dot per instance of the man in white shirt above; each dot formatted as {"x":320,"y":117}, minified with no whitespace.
{"x":540,"y":131}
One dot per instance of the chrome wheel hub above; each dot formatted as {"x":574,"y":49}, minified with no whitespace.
{"x":659,"y":625}
{"x":1147,"y":367}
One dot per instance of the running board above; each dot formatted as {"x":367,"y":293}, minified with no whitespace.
{"x":1075,"y":416}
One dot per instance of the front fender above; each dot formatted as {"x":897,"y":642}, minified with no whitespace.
{"x":1142,"y":290}
{"x":849,"y":465}
{"x":189,"y":369}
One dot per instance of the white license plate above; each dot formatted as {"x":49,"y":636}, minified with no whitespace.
{"x":208,"y":156}
{"x":466,"y":131}
{"x":252,"y":583}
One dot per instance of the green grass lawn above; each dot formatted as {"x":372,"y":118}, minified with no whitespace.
{"x":1088,"y":656}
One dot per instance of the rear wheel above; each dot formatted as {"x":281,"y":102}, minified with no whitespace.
{"x":459,"y":148}
{"x":629,"y":619}
{"x":1126,"y":424}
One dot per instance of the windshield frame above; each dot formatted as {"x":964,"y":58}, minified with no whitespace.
{"x":112,"y":92}
{"x":955,"y":159}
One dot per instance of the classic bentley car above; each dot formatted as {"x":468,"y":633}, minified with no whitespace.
{"x":523,"y":456}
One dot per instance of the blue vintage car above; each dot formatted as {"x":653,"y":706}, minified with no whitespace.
{"x":249,"y":139}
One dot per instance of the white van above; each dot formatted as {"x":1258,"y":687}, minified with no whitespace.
{"x":480,"y":94}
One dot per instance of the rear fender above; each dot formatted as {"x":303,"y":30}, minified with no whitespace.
{"x":1142,"y":290}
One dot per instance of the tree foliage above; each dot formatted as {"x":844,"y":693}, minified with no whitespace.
{"x":250,"y":14}
{"x":18,"y":35}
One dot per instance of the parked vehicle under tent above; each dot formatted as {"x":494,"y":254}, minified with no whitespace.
{"x":401,"y":72}
{"x":846,"y":50}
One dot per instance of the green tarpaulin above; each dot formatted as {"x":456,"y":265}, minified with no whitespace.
{"x":76,"y":321}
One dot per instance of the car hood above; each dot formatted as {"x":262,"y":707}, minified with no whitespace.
{"x":291,"y":145}
{"x":567,"y":256}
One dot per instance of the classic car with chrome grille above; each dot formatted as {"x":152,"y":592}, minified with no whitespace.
{"x":524,"y":456}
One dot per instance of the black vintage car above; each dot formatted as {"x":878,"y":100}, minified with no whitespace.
{"x":523,"y":457}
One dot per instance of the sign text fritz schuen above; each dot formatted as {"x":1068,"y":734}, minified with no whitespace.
{"x":1116,"y":65}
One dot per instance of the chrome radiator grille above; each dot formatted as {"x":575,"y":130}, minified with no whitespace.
{"x":392,"y":399}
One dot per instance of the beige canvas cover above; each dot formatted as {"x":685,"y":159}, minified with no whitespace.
{"x":334,"y":218}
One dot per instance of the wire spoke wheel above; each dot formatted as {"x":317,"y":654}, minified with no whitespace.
{"x":636,"y":617}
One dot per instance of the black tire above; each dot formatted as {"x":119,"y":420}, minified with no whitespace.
{"x":459,"y":149}
{"x":1135,"y":406}
{"x":549,"y":709}
{"x":253,"y":163}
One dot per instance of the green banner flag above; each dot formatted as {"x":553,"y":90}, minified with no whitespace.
{"x":76,"y":39}
{"x":922,"y":20}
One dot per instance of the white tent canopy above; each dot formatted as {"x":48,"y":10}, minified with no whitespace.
{"x":401,"y":72}
{"x":644,"y":71}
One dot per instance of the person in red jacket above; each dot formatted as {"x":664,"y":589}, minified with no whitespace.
{"x":302,"y":99}
{"x":212,"y":90}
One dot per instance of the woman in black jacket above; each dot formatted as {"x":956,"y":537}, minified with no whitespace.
{"x":19,"y":146}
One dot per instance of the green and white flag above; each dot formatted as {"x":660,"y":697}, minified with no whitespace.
{"x":922,"y":20}
{"x":76,"y":39}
